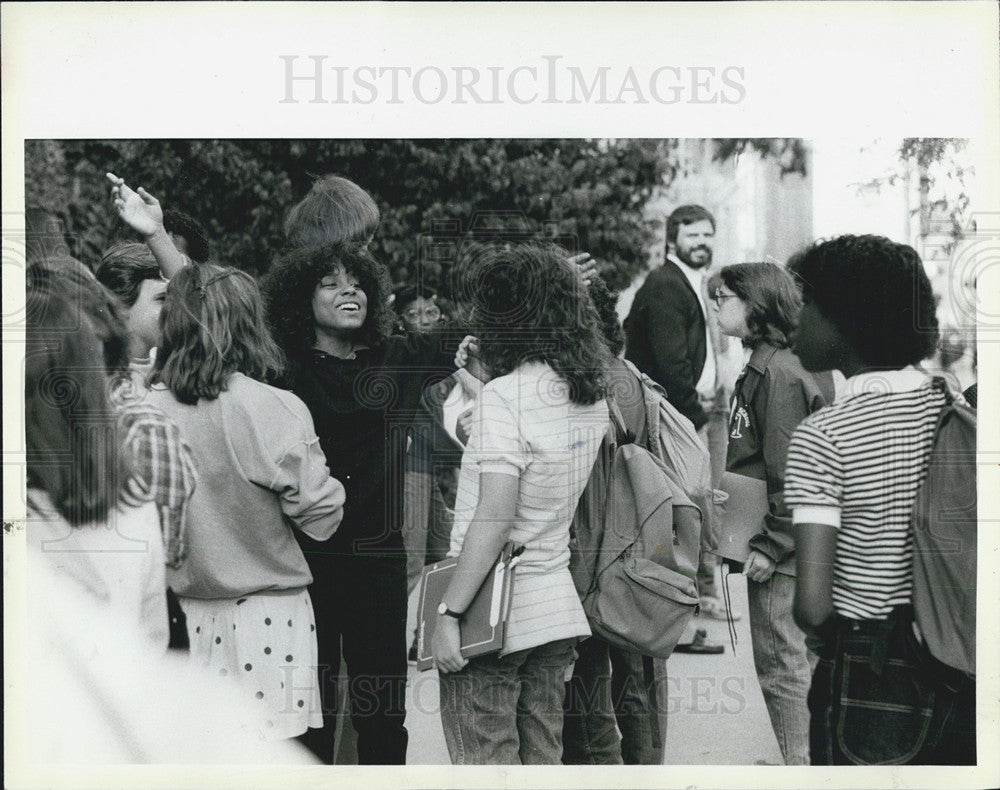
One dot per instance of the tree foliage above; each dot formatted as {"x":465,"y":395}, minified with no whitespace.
{"x":433,"y":194}
{"x":791,"y":153}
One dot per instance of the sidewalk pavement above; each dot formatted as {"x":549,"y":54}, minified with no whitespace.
{"x":716,"y":711}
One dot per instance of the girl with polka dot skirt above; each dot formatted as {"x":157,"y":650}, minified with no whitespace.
{"x":261,"y":475}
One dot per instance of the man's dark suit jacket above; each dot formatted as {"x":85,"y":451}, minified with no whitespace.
{"x":665,"y":337}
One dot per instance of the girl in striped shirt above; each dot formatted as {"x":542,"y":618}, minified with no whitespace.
{"x":852,"y":474}
{"x":537,"y":430}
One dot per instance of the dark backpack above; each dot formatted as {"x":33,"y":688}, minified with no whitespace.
{"x":944,"y":539}
{"x":635,"y":546}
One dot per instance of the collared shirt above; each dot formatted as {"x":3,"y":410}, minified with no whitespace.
{"x":772,"y":396}
{"x":706,"y":382}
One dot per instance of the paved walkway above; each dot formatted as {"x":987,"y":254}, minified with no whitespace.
{"x":716,"y":711}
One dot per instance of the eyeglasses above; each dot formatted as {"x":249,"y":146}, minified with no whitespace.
{"x":718,"y":297}
{"x":430,"y":313}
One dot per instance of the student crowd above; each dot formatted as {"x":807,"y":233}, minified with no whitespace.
{"x":288,"y":455}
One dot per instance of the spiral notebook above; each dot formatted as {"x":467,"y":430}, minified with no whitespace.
{"x":485,"y":621}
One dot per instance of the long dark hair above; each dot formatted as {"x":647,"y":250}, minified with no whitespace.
{"x":529,"y":304}
{"x":212,"y":325}
{"x":771,"y":298}
{"x":73,"y":447}
{"x":290,"y":284}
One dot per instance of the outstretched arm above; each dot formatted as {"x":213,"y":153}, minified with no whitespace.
{"x":142,"y":212}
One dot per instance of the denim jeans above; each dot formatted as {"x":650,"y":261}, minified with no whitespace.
{"x":509,"y":710}
{"x":615,"y":707}
{"x":878,"y":698}
{"x":783,"y":664}
{"x":715,"y":435}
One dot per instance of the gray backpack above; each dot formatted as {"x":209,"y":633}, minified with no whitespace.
{"x":944,"y":539}
{"x":635,"y":546}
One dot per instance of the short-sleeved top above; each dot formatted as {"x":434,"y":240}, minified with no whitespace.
{"x":526,"y":426}
{"x":261,"y":472}
{"x":856,"y":465}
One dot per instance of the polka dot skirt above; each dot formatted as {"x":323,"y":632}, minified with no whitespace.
{"x":267,"y":643}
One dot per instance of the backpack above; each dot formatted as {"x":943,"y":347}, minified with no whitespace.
{"x":676,"y":443}
{"x":636,"y":539}
{"x":944,"y":539}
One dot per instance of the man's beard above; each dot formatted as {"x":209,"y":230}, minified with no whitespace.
{"x":695,"y":264}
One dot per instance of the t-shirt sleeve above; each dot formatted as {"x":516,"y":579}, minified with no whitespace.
{"x":814,"y":474}
{"x":502,"y":447}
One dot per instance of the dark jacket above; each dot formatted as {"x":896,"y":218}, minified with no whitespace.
{"x":773,"y":394}
{"x":665,"y":335}
{"x":432,"y":468}
{"x":362,"y":409}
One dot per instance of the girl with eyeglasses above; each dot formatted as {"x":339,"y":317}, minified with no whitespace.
{"x":759,"y":304}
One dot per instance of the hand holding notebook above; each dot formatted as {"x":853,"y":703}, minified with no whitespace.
{"x":483,"y":624}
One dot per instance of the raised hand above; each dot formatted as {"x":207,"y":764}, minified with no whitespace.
{"x":138,"y":209}
{"x":141,"y":212}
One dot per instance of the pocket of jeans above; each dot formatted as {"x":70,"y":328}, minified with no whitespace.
{"x":884,"y":718}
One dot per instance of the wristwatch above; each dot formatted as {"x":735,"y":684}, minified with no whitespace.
{"x":443,"y":609}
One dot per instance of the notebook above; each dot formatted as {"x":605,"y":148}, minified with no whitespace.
{"x":485,"y":621}
{"x":740,"y":516}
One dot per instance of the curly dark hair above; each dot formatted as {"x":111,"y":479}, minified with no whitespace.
{"x":877,"y":294}
{"x":530,"y":305}
{"x":772,"y":301}
{"x":291,"y":282}
{"x":181,"y":224}
{"x":606,"y":303}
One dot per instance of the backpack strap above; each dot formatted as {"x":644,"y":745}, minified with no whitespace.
{"x":622,"y":434}
{"x":939,"y":383}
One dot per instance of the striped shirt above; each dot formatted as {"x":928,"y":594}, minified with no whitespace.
{"x":525,"y":425}
{"x":856,"y":465}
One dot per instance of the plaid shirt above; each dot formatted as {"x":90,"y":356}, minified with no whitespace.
{"x":161,"y":464}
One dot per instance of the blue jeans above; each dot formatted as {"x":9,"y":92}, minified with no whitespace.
{"x":879,"y":698}
{"x":715,"y":435}
{"x":783,"y":664}
{"x":507,"y":711}
{"x":615,"y":707}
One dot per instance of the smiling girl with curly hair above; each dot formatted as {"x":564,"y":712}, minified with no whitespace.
{"x":328,"y":306}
